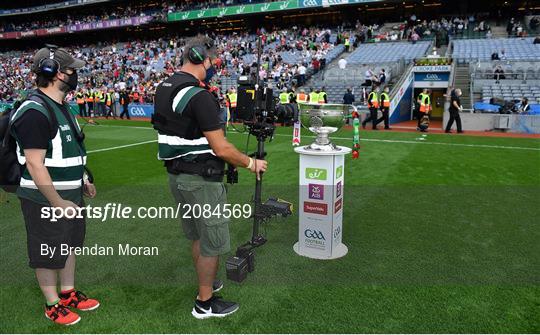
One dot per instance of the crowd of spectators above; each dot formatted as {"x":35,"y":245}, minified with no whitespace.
{"x":55,"y":20}
{"x":158,"y":10}
{"x":516,"y":28}
{"x":415,"y":29}
{"x":184,"y":5}
{"x":139,"y":66}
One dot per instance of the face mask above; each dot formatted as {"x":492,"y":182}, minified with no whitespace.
{"x":210,"y":72}
{"x":71,"y":83}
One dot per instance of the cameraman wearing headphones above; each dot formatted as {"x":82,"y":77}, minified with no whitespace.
{"x":192,"y":143}
{"x":50,"y":147}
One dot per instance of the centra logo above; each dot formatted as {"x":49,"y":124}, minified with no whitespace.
{"x":315,"y":173}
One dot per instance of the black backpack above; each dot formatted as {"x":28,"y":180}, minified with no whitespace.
{"x":10,"y":169}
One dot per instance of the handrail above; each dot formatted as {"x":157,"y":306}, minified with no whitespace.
{"x":506,"y":75}
{"x":451,"y":82}
{"x":404,"y":75}
{"x":471,"y":92}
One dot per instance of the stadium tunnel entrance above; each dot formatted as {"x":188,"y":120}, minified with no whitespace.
{"x":437,"y":101}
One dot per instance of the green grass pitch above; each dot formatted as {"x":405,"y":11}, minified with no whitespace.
{"x":443,"y":236}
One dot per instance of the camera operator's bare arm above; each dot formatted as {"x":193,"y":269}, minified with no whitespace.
{"x":226,"y":151}
{"x":40,"y":176}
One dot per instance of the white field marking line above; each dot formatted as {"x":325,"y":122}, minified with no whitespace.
{"x":121,"y":146}
{"x":344,"y":138}
{"x":416,"y":142}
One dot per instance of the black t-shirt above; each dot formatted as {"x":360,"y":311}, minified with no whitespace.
{"x":204,"y":109}
{"x":34,"y":130}
{"x":456,"y":99}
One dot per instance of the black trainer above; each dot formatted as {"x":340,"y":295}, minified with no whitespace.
{"x":217,"y":286}
{"x":215,"y":307}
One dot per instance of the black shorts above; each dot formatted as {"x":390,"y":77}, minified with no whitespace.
{"x":42,"y":232}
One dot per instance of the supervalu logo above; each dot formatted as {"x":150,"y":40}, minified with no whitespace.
{"x":315,"y":208}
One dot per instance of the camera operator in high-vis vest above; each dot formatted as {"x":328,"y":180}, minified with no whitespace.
{"x":50,"y":147}
{"x":192,"y":143}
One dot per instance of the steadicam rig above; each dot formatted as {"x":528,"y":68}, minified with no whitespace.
{"x":256,"y":107}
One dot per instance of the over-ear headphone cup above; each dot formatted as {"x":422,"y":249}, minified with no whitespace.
{"x":48,"y":67}
{"x":197,"y":54}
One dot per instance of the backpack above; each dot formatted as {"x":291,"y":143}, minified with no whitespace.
{"x":10,"y":169}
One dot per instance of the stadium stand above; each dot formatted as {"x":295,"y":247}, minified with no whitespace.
{"x":141,"y":65}
{"x":388,"y":52}
{"x":511,"y":93}
{"x":465,"y":51}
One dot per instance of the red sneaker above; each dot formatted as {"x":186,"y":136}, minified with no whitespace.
{"x":79,"y":300}
{"x":61,"y":315}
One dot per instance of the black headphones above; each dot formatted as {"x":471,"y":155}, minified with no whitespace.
{"x":49,"y":67}
{"x":198,"y":53}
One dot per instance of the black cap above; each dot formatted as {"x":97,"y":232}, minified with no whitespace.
{"x":61,"y":55}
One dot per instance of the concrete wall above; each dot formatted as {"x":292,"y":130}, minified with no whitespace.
{"x":514,"y":123}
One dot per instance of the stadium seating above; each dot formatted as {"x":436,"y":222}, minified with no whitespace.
{"x":336,"y":89}
{"x":522,"y":49}
{"x":510,"y":93}
{"x":516,"y":70}
{"x":387,"y":52}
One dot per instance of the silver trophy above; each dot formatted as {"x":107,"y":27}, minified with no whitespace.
{"x":323,"y":120}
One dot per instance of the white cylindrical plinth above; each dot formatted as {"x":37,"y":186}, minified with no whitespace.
{"x":321,"y":203}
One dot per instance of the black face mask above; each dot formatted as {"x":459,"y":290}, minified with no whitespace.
{"x":71,"y":83}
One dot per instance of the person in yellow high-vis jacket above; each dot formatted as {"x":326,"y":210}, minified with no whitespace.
{"x":373,"y":105}
{"x":322,"y":96}
{"x":314,"y":96}
{"x":284,"y":97}
{"x":89,"y":97}
{"x":424,"y":102}
{"x":79,"y":98}
{"x":232,"y":99}
{"x":101,"y":102}
{"x":384,"y":105}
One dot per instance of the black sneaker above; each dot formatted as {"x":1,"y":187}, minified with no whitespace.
{"x":215,"y":307}
{"x":217,"y":286}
